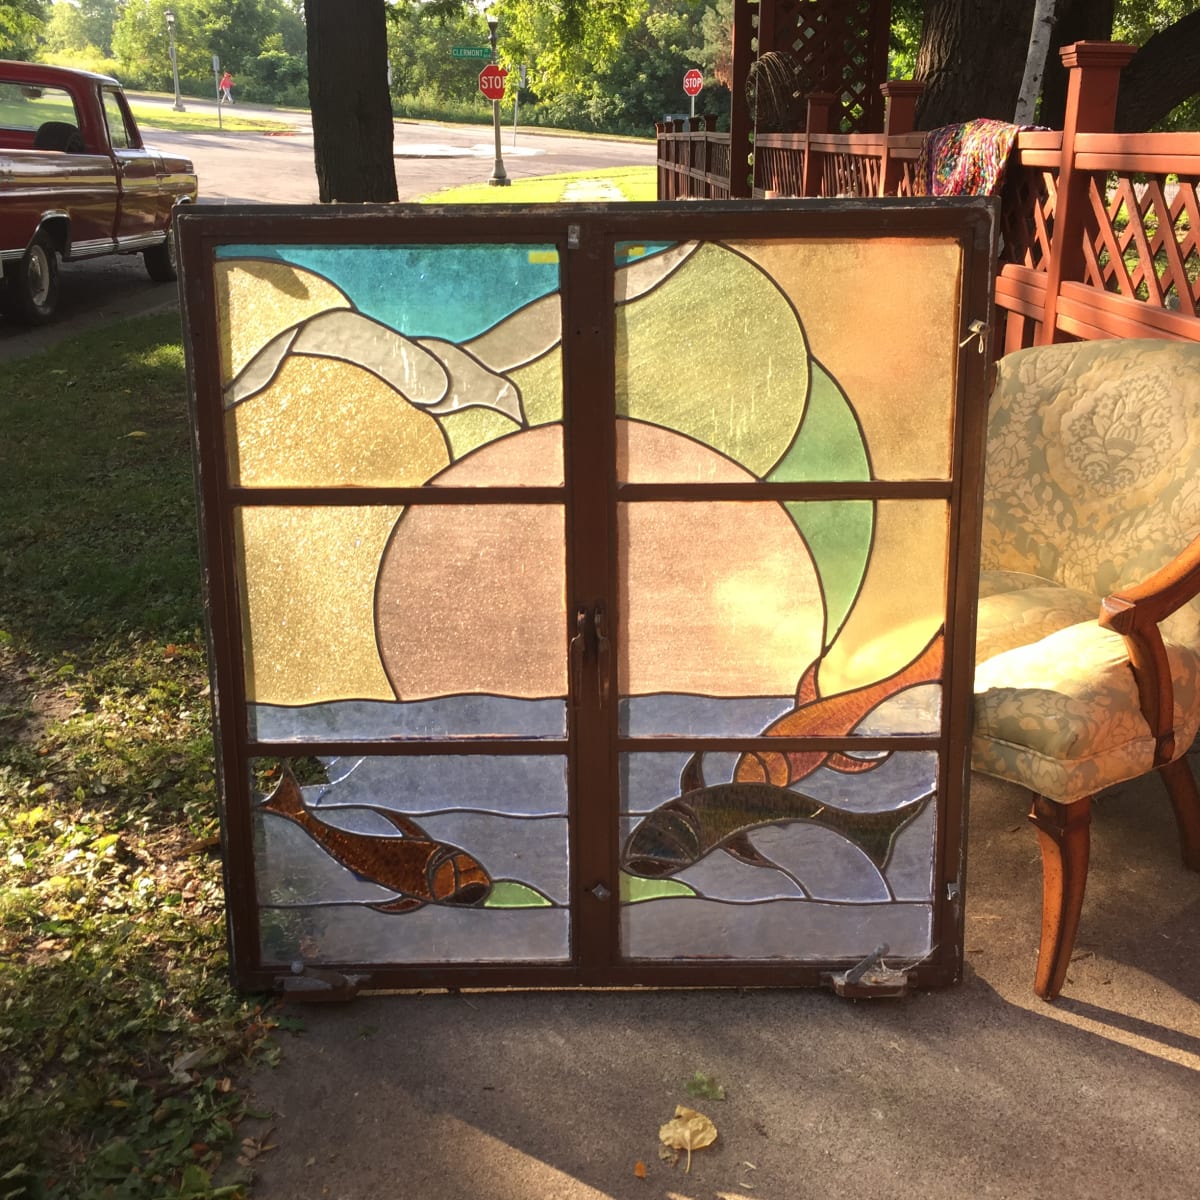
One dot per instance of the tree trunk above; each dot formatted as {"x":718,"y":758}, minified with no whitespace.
{"x":1076,"y":21}
{"x":1035,"y":62}
{"x":351,"y":108}
{"x":970,"y":59}
{"x":1164,"y":72}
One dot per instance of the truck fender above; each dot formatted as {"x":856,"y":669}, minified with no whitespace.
{"x":56,"y":226}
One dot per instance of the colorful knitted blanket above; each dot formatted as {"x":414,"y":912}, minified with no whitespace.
{"x":965,"y":160}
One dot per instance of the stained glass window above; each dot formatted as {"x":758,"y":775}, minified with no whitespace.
{"x":587,"y":586}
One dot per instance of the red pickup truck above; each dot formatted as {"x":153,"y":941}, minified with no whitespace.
{"x":76,"y":181}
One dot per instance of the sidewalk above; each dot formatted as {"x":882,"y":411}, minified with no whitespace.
{"x":979,"y":1090}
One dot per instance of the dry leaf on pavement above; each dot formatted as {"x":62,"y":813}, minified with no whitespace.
{"x":689,"y":1130}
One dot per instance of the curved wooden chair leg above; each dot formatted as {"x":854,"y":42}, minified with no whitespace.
{"x":1064,"y":836}
{"x":1185,"y":799}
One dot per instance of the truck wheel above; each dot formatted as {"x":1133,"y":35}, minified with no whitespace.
{"x":31,"y":283}
{"x":160,"y":259}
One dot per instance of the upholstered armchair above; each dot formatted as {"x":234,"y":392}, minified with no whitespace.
{"x":1088,"y":646}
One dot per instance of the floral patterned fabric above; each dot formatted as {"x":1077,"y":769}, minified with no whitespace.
{"x":1092,"y":482}
{"x":1062,"y":716}
{"x":968,"y":159}
{"x":1018,"y":610}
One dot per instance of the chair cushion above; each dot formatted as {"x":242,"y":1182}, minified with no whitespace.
{"x":1061,"y":715}
{"x":1093,"y":464}
{"x":1016,"y":609}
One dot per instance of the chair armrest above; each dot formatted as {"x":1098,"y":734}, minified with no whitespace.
{"x":1134,"y":612}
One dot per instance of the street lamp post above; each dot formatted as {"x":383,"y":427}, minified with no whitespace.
{"x":499,"y":175}
{"x":170,"y":16}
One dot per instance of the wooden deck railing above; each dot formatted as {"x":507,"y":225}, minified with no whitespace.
{"x":1100,"y":232}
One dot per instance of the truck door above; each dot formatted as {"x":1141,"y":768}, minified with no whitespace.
{"x":137,"y":171}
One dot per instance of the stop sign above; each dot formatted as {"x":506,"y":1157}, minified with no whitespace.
{"x":491,"y":82}
{"x":693,"y":81}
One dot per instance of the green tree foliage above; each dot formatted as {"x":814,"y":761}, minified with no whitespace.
{"x":83,"y":26}
{"x":22,"y":26}
{"x":616,"y":66}
{"x":260,"y":41}
{"x":567,"y":40}
{"x":420,"y":38}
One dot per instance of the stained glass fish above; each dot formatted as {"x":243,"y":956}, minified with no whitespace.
{"x":414,"y":865}
{"x":704,"y":818}
{"x":831,"y":716}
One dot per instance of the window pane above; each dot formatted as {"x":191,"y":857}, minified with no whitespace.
{"x":736,"y":615}
{"x":27,"y":107}
{"x":113,"y":114}
{"x":791,"y":396}
{"x":395,"y":860}
{"x":828,"y":869}
{"x":374,"y":621}
{"x":391,"y":365}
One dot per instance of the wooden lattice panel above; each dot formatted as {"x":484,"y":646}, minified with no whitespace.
{"x":850,"y":175}
{"x":1027,"y":217}
{"x":1143,"y":239}
{"x":779,"y":164}
{"x":839,"y":46}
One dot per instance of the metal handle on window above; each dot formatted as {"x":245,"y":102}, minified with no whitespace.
{"x":577,"y":649}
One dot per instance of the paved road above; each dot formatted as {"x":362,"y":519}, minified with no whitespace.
{"x":236,"y":168}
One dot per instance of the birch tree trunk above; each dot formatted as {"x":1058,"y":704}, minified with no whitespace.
{"x":351,"y":108}
{"x":1040,"y":36}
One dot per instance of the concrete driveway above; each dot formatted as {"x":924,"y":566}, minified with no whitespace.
{"x":977,"y":1090}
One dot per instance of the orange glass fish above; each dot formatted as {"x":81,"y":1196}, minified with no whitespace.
{"x":421,"y":870}
{"x":831,"y":716}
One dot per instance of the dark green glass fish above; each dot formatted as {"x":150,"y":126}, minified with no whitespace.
{"x":722,"y":816}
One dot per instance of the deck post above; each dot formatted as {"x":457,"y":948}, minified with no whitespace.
{"x":709,"y":125}
{"x":900,"y":98}
{"x":664,"y":174}
{"x":745,"y":31}
{"x":820,"y":118}
{"x":1092,"y":84}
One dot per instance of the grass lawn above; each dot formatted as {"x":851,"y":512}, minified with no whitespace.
{"x":633,"y":183}
{"x":19,"y":113}
{"x":120,"y":1037}
{"x":203,"y":120}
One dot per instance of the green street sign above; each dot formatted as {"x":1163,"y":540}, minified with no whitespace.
{"x":471,"y":52}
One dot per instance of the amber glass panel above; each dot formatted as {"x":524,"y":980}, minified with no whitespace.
{"x":791,"y":395}
{"x":365,"y":622}
{"x":711,"y":867}
{"x":365,"y":366}
{"x":725,"y":623}
{"x":412,"y":859}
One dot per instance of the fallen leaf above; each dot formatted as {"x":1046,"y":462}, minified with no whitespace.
{"x":704,"y":1086}
{"x":689,"y":1130}
{"x":184,"y":1063}
{"x":639,"y":1169}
